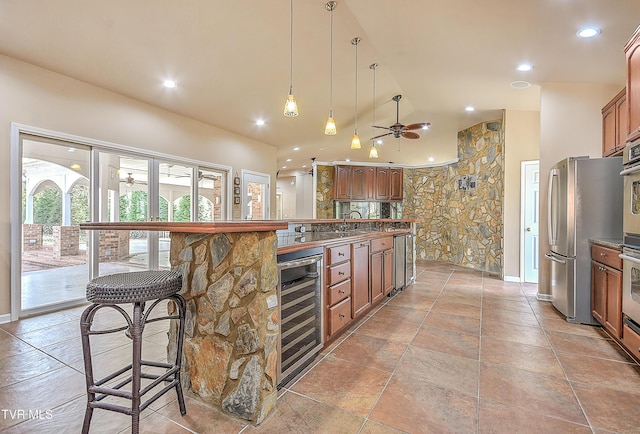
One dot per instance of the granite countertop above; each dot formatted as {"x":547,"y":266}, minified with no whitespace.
{"x":614,"y":243}
{"x":291,"y":241}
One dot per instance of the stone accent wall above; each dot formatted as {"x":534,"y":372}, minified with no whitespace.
{"x":66,"y":241}
{"x":324,"y":192}
{"x":464,"y":227}
{"x":113,"y":245}
{"x":231,"y":338}
{"x":31,"y":236}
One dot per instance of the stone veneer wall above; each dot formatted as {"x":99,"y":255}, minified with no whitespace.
{"x":231,"y":337}
{"x":324,"y":192}
{"x":462,"y":227}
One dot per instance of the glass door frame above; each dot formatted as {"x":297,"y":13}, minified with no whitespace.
{"x":15,"y":198}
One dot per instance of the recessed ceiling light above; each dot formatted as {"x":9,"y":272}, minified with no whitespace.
{"x":284,"y":167}
{"x":260,"y":122}
{"x":431,"y":159}
{"x":304,"y":165}
{"x":469,"y":108}
{"x":588,"y":32}
{"x":169,"y":84}
{"x":296,"y":148}
{"x":524,"y":67}
{"x":75,"y":167}
{"x":520,"y":84}
{"x":71,"y":149}
{"x":379,"y":142}
{"x":288,"y":159}
{"x":347,"y":160}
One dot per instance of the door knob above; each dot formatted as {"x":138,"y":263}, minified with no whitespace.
{"x":528,"y":229}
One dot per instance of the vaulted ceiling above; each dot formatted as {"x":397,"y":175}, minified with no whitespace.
{"x":230,"y":60}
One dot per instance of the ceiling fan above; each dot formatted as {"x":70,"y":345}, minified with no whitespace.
{"x":398,"y":130}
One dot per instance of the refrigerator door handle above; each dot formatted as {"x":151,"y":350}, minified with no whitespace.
{"x":550,"y":257}
{"x":551,"y":211}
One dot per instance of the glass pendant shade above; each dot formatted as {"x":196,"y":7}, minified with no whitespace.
{"x":330,"y":128}
{"x":373,"y":152}
{"x":355,"y":142}
{"x":291,"y":106}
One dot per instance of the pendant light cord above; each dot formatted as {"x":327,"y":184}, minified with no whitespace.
{"x":331,"y":65}
{"x":356,"y":41}
{"x":291,"y":47}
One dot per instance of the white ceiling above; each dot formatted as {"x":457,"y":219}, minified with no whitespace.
{"x":230,"y":60}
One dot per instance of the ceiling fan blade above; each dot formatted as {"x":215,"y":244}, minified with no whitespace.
{"x":410,"y":135}
{"x":384,"y":128}
{"x":381,"y":135}
{"x":418,"y":126}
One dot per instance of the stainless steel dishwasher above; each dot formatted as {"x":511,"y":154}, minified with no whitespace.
{"x":301,"y":320}
{"x":403,"y":272}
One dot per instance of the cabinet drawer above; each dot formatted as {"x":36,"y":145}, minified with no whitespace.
{"x":339,"y":315}
{"x":338,"y":273}
{"x":338,"y":254}
{"x":631,"y":341}
{"x":606,"y":256}
{"x":339,"y":292}
{"x":380,"y":244}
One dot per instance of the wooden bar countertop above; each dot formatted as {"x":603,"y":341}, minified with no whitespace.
{"x":191,"y":227}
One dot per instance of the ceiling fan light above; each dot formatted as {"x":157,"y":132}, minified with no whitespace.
{"x":373,"y":152}
{"x":330,"y":128}
{"x":291,"y":106}
{"x":355,"y":142}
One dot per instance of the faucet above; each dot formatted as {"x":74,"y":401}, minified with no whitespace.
{"x":357,"y":212}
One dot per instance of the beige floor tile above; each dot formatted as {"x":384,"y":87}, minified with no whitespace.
{"x":500,"y":418}
{"x":12,"y":346}
{"x":529,"y":358}
{"x":201,"y":417}
{"x":452,"y":322}
{"x":610,"y":409}
{"x":371,"y":427}
{"x":621,"y":376}
{"x":344,"y":384}
{"x":448,"y":341}
{"x":521,"y":318}
{"x":398,"y":330}
{"x":593,"y":346}
{"x":453,"y":308}
{"x":24,"y":366}
{"x":542,"y":394}
{"x":446,"y":370}
{"x":515,"y":333}
{"x":370,"y":351}
{"x":415,"y":406}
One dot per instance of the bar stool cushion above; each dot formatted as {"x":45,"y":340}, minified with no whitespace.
{"x":133,"y":287}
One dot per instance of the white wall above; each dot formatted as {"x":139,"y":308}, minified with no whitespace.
{"x":40,"y":98}
{"x":286,"y":186}
{"x":521,"y":143}
{"x":570,"y":125}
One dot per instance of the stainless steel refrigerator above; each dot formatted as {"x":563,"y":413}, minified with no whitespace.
{"x":584,"y":202}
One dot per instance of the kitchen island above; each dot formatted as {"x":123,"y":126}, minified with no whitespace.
{"x":230,"y":284}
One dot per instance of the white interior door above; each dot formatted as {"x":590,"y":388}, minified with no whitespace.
{"x":530,"y":220}
{"x":255,"y":196}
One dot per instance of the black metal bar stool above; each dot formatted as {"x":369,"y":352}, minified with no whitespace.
{"x":136,"y":288}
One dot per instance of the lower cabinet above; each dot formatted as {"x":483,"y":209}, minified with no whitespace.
{"x":360,"y":293}
{"x":606,"y":288}
{"x":338,"y":283}
{"x":339,"y":316}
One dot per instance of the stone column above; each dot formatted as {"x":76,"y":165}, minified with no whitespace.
{"x":230,"y":349}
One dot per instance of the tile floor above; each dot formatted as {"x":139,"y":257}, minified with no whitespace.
{"x":458,"y":351}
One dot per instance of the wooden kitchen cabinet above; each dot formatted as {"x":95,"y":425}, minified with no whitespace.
{"x":395,"y":184}
{"x":358,"y":183}
{"x":339,"y":289}
{"x":632,"y":52}
{"x":606,"y":288}
{"x":615,"y":125}
{"x":382,"y":183}
{"x":370,"y":183}
{"x":342,"y":183}
{"x":360,"y":291}
{"x":381,"y":267}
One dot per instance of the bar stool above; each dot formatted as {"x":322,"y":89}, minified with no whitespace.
{"x":135,"y":288}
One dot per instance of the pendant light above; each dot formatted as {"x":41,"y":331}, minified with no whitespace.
{"x":355,"y":142}
{"x":291,"y":106}
{"x":330,"y":128}
{"x":373,"y":152}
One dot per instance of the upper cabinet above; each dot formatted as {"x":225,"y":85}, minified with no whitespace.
{"x":342,"y":183}
{"x":615,"y":125}
{"x":632,"y":51}
{"x":368,"y":183}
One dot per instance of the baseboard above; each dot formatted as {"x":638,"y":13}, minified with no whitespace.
{"x":511,"y":279}
{"x":5,"y":318}
{"x":543,"y":297}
